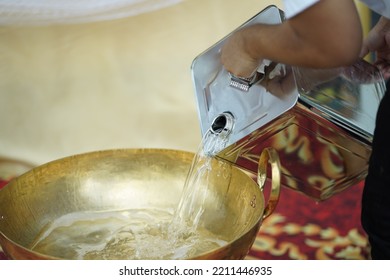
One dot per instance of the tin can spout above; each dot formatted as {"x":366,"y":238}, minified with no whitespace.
{"x":222,"y":124}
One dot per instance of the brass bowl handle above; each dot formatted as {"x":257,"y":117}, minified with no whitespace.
{"x":269,"y":155}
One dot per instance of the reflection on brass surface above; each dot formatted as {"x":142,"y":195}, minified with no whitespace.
{"x":318,"y":158}
{"x":116,"y":180}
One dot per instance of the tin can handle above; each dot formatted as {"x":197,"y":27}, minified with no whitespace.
{"x":244,"y":84}
{"x":270,"y":155}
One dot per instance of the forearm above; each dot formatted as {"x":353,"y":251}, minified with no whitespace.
{"x":379,"y":37}
{"x":325,"y":35}
{"x":328,"y":34}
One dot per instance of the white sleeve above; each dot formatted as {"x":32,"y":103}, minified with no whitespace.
{"x":382,"y":7}
{"x":294,"y":7}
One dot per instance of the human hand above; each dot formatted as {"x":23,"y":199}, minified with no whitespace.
{"x":378,"y":41}
{"x":278,"y":80}
{"x":236,"y":59}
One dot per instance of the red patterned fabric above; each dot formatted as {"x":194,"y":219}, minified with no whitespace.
{"x":301,"y":228}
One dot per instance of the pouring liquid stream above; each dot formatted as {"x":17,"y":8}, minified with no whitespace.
{"x":192,"y":203}
{"x":142,"y":233}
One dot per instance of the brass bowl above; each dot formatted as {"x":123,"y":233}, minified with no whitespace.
{"x":130,"y":179}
